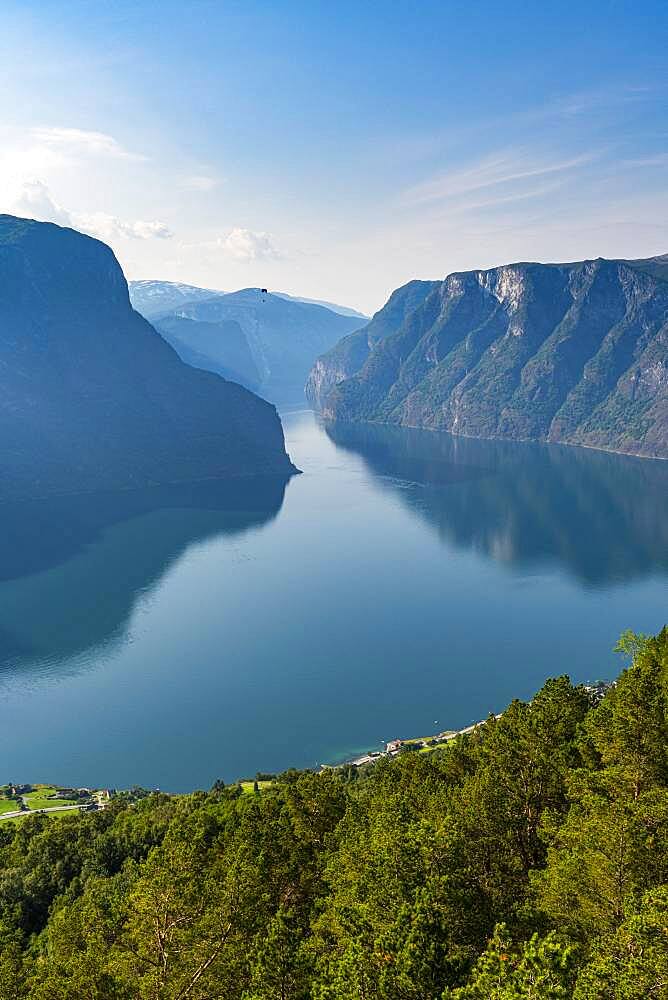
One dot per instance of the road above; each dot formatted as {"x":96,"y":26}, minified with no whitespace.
{"x":34,"y":812}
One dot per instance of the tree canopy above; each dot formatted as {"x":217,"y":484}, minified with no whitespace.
{"x":527,"y":860}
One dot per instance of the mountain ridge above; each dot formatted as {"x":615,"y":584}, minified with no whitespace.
{"x":573,"y":353}
{"x":284,"y":336}
{"x":93,"y":398}
{"x":149,"y":294}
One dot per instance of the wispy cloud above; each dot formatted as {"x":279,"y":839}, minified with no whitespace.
{"x":200,"y":182}
{"x":495,"y":170}
{"x":82,"y":141}
{"x":658,"y":160}
{"x":587,"y":102}
{"x":465,"y":205}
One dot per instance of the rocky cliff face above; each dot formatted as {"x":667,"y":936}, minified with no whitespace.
{"x":576,"y":353}
{"x":348,"y":356}
{"x":92,"y":397}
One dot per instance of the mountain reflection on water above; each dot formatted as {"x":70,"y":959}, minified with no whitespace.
{"x":407,"y":581}
{"x":78,"y":564}
{"x":601,"y":516}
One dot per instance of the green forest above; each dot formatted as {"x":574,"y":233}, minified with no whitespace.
{"x":528,"y":859}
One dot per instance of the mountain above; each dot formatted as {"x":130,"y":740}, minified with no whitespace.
{"x":217,"y":347}
{"x":572,"y":353}
{"x":155,"y":298}
{"x":341,"y":310}
{"x":284,"y":336}
{"x":92,"y":397}
{"x":656,"y":266}
{"x":348,"y":356}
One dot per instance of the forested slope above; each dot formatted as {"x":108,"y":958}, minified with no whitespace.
{"x":528,"y":860}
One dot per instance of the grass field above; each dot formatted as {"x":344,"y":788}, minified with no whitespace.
{"x":247,"y":786}
{"x":8,"y":806}
{"x":39,"y":798}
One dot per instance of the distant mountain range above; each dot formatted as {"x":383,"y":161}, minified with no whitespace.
{"x":341,"y":310}
{"x":283,"y":335}
{"x":92,"y":397}
{"x":572,"y":353}
{"x":154,"y":298}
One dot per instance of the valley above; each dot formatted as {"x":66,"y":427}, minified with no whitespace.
{"x":333,"y":501}
{"x":265,"y":340}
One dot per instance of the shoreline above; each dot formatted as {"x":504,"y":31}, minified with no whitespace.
{"x":420,"y":744}
{"x":99,"y":798}
{"x":425,"y":744}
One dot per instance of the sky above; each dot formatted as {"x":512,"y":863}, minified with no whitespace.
{"x":338,"y":150}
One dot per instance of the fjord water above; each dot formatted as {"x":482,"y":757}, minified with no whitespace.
{"x":407,"y":582}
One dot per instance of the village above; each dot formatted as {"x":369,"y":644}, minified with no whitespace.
{"x":19,"y":800}
{"x":420,"y":744}
{"x":425,"y":744}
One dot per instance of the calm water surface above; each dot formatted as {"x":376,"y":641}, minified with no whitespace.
{"x":406,"y":582}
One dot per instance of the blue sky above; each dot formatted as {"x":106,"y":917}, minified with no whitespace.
{"x":336,"y":150}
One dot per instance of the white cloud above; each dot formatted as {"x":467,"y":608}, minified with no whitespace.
{"x":33,"y":200}
{"x":497,"y":169}
{"x":244,"y":244}
{"x":109,"y":227}
{"x":77,"y":140}
{"x":200,"y":182}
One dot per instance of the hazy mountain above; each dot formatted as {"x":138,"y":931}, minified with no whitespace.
{"x":341,"y":310}
{"x":576,"y":353}
{"x":218,"y":347}
{"x":155,"y":298}
{"x":284,"y":336}
{"x":92,"y":397}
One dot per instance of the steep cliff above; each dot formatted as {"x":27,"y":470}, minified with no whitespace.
{"x":576,"y":353}
{"x":92,"y":397}
{"x":347,"y":357}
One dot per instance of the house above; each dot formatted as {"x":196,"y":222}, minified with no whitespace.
{"x":393,"y":746}
{"x":20,"y":789}
{"x":64,"y":793}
